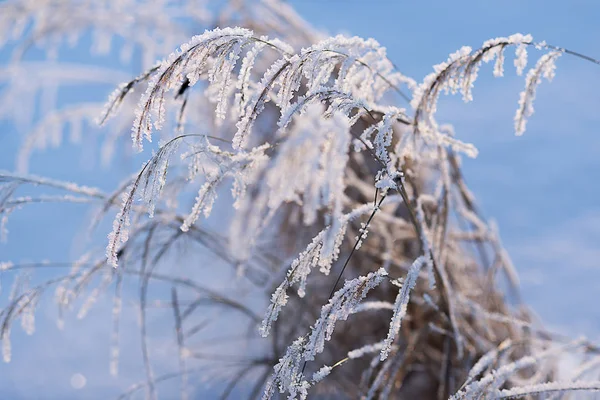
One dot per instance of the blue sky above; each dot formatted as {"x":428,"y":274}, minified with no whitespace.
{"x":541,"y":188}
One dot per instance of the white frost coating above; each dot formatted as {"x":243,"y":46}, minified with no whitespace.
{"x":487,"y":359}
{"x":374,"y":305}
{"x":367,"y":349}
{"x":204,"y":201}
{"x":287,"y":375}
{"x":368,"y":83}
{"x":243,"y":81}
{"x":548,"y":387}
{"x":545,"y":67}
{"x":298,"y":272}
{"x":278,"y":299}
{"x":311,"y":257}
{"x":239,"y":166}
{"x":257,"y":104}
{"x":220,"y":78}
{"x":426,"y":242}
{"x":155,"y":175}
{"x":111,"y":105}
{"x":339,"y":307}
{"x":189,"y":62}
{"x":120,"y":231}
{"x":458,"y":74}
{"x":401,"y":305}
{"x":315,"y":153}
{"x":321,"y":374}
{"x":379,"y":380}
{"x":447,"y":77}
{"x":496,"y":377}
{"x":63,"y":185}
{"x":496,"y":50}
{"x":521,"y":51}
{"x":492,"y":381}
{"x":332,"y":241}
{"x":383,"y":138}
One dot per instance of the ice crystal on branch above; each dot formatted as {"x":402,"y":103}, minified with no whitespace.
{"x":287,"y":373}
{"x":544,"y":68}
{"x":239,"y":166}
{"x":321,"y":374}
{"x":459,"y":73}
{"x":340,"y":306}
{"x":401,"y":304}
{"x":322,"y":251}
{"x":190,"y":62}
{"x":307,"y":134}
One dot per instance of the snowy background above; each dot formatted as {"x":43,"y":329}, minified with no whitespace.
{"x":542,"y":188}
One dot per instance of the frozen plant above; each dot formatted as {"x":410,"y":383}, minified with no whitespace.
{"x":347,"y":207}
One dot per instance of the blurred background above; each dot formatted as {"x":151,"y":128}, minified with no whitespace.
{"x":540,"y":188}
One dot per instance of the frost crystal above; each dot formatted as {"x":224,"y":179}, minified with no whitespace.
{"x":287,"y":375}
{"x":544,"y":68}
{"x":321,"y":374}
{"x":340,"y":306}
{"x":401,"y":305}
